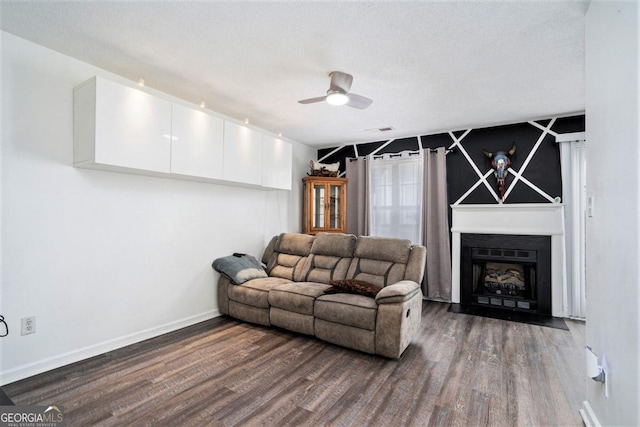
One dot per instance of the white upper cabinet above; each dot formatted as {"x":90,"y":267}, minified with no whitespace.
{"x":196,"y":143}
{"x":242,"y":154}
{"x":126,"y":129}
{"x":119,"y":126}
{"x":276,"y":163}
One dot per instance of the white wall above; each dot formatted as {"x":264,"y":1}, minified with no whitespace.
{"x":105,"y":259}
{"x":2,"y":305}
{"x":613,"y":250}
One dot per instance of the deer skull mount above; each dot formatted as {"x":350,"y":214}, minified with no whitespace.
{"x":500,"y":162}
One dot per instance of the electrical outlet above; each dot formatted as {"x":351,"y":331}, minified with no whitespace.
{"x":28,"y":325}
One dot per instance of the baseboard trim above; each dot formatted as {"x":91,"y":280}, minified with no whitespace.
{"x":44,"y":365}
{"x":588,"y":416}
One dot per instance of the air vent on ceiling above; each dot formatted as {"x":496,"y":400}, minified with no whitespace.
{"x":384,"y":129}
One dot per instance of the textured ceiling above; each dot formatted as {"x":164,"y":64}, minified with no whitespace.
{"x":428,"y":66}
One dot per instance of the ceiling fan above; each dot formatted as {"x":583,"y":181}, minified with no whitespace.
{"x":338,"y":93}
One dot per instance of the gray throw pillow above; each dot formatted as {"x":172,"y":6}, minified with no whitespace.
{"x":239,"y":268}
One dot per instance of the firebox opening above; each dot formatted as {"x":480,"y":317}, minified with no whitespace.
{"x":506,"y":273}
{"x":510,"y":285}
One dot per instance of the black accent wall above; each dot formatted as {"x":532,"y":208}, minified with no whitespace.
{"x":543,"y":169}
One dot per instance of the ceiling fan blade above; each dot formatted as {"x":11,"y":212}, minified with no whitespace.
{"x":340,"y":82}
{"x":358,"y":101}
{"x":312,"y":100}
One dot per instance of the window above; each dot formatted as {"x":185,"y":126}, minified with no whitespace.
{"x":396,"y":202}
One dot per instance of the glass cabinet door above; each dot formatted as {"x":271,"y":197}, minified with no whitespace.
{"x":318,"y":206}
{"x":335,"y":205}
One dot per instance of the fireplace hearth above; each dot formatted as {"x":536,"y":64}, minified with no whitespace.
{"x":506,"y":273}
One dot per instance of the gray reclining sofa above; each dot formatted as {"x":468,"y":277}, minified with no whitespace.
{"x":300,"y":268}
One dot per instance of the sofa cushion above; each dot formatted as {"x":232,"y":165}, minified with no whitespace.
{"x":294,"y":244}
{"x":383,"y":249}
{"x":324,"y":268}
{"x":380,"y":273}
{"x":255,"y":292}
{"x":334,"y":244}
{"x":330,"y":257}
{"x":380,"y":260}
{"x":286,"y":266}
{"x":352,"y":286}
{"x":289,"y":259}
{"x":297,"y":297}
{"x":347,"y":309}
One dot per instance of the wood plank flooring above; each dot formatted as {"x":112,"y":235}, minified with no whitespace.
{"x":461,"y":370}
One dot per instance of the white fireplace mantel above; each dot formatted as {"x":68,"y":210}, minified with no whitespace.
{"x":545,"y":219}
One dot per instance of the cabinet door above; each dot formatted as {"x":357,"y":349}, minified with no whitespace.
{"x":196,"y":143}
{"x":242,"y":154}
{"x":335,"y":207}
{"x":132,"y":128}
{"x":276,"y":163}
{"x":318,"y":207}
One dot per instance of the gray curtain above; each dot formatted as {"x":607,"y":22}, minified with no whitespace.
{"x":358,"y":196}
{"x":435,"y":226}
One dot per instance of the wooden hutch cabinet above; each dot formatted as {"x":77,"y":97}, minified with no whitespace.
{"x":325,"y":204}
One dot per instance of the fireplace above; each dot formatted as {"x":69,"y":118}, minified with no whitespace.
{"x":511,"y":234}
{"x":506,"y":272}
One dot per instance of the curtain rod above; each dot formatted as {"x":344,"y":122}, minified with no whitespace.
{"x":411,"y":153}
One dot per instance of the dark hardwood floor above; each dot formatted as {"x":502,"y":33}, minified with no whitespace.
{"x":461,"y":370}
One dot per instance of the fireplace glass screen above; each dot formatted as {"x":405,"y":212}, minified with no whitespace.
{"x":504,"y":278}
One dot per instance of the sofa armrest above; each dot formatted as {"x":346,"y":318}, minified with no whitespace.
{"x":399,"y":292}
{"x":269,"y":250}
{"x":223,"y":294}
{"x":399,"y":317}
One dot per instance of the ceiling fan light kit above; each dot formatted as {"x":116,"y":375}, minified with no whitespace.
{"x":337,"y":98}
{"x":338,"y":93}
